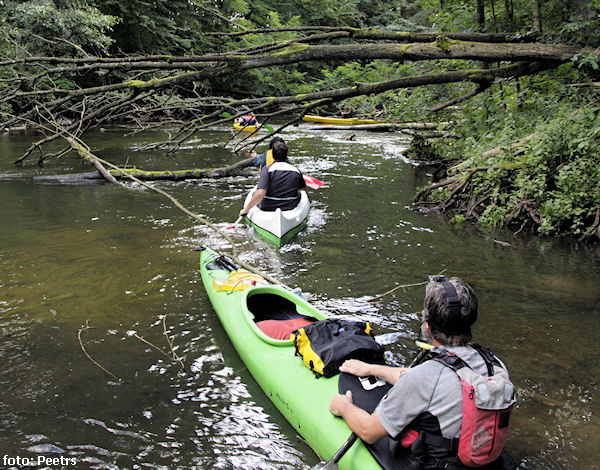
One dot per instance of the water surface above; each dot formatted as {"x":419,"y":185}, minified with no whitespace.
{"x":109,"y":265}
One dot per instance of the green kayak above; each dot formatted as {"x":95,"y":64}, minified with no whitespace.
{"x":254,"y":315}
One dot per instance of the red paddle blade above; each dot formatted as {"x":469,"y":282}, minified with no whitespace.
{"x":311,"y":182}
{"x":234,"y":224}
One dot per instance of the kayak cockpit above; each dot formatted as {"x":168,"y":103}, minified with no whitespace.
{"x":275,"y":315}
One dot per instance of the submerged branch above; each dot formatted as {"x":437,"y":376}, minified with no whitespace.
{"x":96,"y":363}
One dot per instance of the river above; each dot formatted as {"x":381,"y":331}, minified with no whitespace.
{"x":94,"y":269}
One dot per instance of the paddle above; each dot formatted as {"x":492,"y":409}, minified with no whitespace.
{"x":333,"y":463}
{"x":311,"y":182}
{"x":235,"y":223}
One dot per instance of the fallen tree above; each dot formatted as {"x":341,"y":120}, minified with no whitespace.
{"x":45,"y":92}
{"x":154,"y":83}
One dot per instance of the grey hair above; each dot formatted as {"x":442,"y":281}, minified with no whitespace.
{"x":437,"y":313}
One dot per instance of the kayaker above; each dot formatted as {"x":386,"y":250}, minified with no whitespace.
{"x":266,"y":158}
{"x":425,"y":400}
{"x":247,"y":120}
{"x":348,"y":112}
{"x":279,"y":184}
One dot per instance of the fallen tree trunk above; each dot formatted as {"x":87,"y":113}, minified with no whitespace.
{"x":237,"y":169}
{"x":91,"y":158}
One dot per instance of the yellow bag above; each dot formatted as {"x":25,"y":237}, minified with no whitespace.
{"x":326,"y":344}
{"x":238,"y":280}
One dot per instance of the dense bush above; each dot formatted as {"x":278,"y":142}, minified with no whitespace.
{"x":549,"y":182}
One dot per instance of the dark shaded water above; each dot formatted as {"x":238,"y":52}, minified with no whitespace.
{"x":122,"y":261}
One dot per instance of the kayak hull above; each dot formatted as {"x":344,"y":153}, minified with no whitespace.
{"x":296,"y":392}
{"x":278,"y":227}
{"x":339,"y":121}
{"x":241,"y":127}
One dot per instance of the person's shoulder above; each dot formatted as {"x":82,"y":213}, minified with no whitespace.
{"x":425,"y":369}
{"x":283,"y":165}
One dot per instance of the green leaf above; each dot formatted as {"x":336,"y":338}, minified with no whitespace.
{"x":225,"y":114}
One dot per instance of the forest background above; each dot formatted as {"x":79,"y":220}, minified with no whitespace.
{"x":511,"y":85}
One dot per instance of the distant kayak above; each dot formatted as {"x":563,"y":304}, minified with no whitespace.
{"x":278,"y":227}
{"x":339,"y":121}
{"x":241,"y":127}
{"x":258,"y":318}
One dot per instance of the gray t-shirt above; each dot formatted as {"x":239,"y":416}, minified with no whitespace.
{"x":432,"y":388}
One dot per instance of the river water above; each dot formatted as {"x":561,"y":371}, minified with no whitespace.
{"x":101,"y":267}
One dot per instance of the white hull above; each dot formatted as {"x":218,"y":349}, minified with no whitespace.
{"x":279,"y":223}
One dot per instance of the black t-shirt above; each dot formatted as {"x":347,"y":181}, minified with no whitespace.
{"x":282,"y":181}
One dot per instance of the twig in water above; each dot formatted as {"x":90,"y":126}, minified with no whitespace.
{"x":170,"y":343}
{"x":87,"y":327}
{"x":374,"y":299}
{"x":158,"y":349}
{"x":377,"y":297}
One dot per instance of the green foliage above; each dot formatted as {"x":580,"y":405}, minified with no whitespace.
{"x":551,"y":181}
{"x":161,"y":26}
{"x":43,"y":29}
{"x":459,"y":219}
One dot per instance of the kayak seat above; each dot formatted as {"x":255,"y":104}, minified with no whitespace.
{"x":276,"y":316}
{"x":282,"y":329}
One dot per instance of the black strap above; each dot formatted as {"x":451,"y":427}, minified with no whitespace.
{"x":443,"y":356}
{"x":439,"y":441}
{"x":488,"y":356}
{"x":453,"y":300}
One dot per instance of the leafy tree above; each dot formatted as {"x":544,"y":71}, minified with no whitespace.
{"x":42,"y":27}
{"x":155,"y":27}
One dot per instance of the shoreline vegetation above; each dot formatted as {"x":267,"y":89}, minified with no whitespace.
{"x":502,"y":102}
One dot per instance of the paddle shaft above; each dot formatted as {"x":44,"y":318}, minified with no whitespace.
{"x":333,"y":463}
{"x":342,"y":450}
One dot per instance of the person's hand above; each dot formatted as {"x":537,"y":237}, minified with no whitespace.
{"x":356,"y":367}
{"x":243,"y":213}
{"x":338,"y":401}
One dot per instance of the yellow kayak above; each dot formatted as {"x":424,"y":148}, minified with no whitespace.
{"x":339,"y":121}
{"x":241,"y":127}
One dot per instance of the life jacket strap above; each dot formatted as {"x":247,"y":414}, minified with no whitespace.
{"x":439,"y":441}
{"x":293,"y":198}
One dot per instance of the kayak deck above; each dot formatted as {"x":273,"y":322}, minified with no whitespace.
{"x":241,"y":127}
{"x":296,"y":392}
{"x":338,"y":120}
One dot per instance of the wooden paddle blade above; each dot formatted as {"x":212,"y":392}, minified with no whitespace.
{"x":311,"y":182}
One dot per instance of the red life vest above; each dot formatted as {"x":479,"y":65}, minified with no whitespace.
{"x":487,"y":404}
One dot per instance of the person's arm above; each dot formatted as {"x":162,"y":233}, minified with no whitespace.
{"x":362,"y":369}
{"x":260,"y":160}
{"x":366,"y":426}
{"x":258,"y":196}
